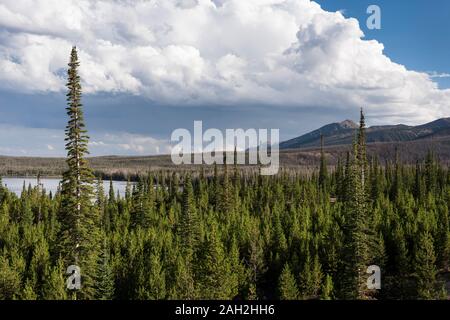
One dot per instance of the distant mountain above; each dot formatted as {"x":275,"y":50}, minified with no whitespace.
{"x":343,"y":133}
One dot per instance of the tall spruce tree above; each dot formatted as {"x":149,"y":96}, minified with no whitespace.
{"x":225,"y":200}
{"x":327,"y":288}
{"x":188,"y":226}
{"x":215,"y":274}
{"x":323,"y":174}
{"x":79,"y":219}
{"x":104,"y":277}
{"x":361,"y":154}
{"x":430,"y":172}
{"x":358,"y":228}
{"x":54,"y":287}
{"x":287,"y":286}
{"x":424,"y":266}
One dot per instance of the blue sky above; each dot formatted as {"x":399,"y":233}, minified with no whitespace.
{"x":149,"y":67}
{"x":415,"y":33}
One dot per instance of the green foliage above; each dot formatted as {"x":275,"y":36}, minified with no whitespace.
{"x":9,"y":280}
{"x":327,"y":288}
{"x":55,"y":283}
{"x":79,"y":219}
{"x":310,"y":278}
{"x":424,"y":266}
{"x":104,"y":285}
{"x":282,"y":232}
{"x":215,"y":236}
{"x":214,"y":275}
{"x":188,"y":225}
{"x":287,"y":285}
{"x":323,"y":172}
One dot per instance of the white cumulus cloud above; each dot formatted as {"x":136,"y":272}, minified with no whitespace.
{"x":435,"y":74}
{"x":275,"y":52}
{"x":123,"y":143}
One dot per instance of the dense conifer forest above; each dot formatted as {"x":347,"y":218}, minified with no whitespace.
{"x":230,"y":235}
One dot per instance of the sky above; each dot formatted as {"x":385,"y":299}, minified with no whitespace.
{"x":149,"y":67}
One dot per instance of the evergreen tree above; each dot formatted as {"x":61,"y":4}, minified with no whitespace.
{"x":327,"y":288}
{"x":418,"y":188}
{"x":442,"y":241}
{"x":361,"y":154}
{"x":155,"y":286}
{"x":184,"y":281}
{"x":287,"y":285}
{"x":9,"y":280}
{"x":238,"y":275}
{"x":424,"y":266}
{"x":225,"y":201}
{"x":105,"y":277}
{"x":111,"y":197}
{"x":430,"y":172}
{"x":55,"y":283}
{"x":215,"y":270}
{"x":397,"y":183}
{"x":311,"y":277}
{"x":1,"y":189}
{"x":188,"y":226}
{"x":256,"y":264}
{"x":340,"y":181}
{"x":358,"y":229}
{"x":79,"y":219}
{"x":323,"y":173}
{"x":28,"y":291}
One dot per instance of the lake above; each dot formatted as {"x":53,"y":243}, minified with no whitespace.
{"x":51,"y":184}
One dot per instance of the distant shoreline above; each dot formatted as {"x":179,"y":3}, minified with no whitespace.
{"x":123,"y":168}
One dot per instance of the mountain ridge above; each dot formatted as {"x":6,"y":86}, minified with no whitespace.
{"x":342,"y":133}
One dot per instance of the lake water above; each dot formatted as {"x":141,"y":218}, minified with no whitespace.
{"x":51,"y":184}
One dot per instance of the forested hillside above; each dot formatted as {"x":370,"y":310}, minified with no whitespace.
{"x":245,"y":236}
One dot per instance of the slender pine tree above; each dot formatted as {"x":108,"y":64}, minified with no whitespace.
{"x":188,"y":226}
{"x":327,"y":288}
{"x":358,"y":228}
{"x":79,"y":218}
{"x":323,"y":174}
{"x":424,"y":266}
{"x":287,"y":287}
{"x":105,"y":277}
